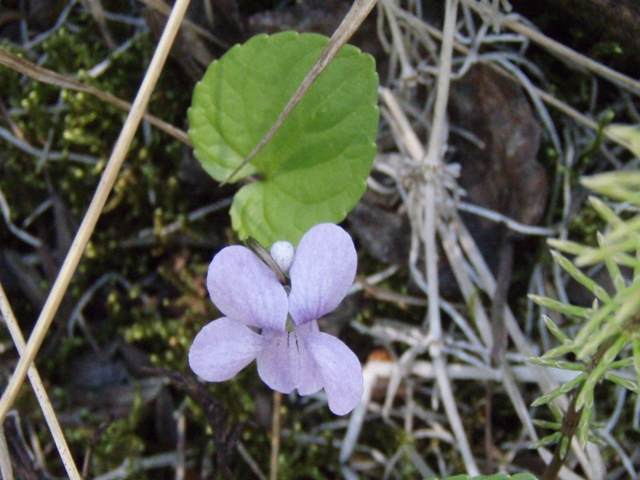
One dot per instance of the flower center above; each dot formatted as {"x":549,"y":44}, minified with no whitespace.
{"x":289,"y":325}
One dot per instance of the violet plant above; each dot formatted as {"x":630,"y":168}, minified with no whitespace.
{"x":294,"y":191}
{"x":277,"y":325}
{"x":313,"y":171}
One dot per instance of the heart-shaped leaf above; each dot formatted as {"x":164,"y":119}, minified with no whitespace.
{"x":314,"y":169}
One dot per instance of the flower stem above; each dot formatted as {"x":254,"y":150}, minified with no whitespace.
{"x":275,"y":436}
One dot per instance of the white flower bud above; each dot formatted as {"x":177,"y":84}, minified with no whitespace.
{"x":282,"y":253}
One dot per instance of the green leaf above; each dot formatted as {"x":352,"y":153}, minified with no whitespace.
{"x":567,"y":246}
{"x":627,"y":304}
{"x":636,"y":356}
{"x":619,"y":185}
{"x":314,"y":169}
{"x":562,"y":389}
{"x":579,"y":276}
{"x":584,"y":424}
{"x":546,"y":424}
{"x":548,"y":440}
{"x":612,"y":267}
{"x":612,"y":251}
{"x":555,"y":330}
{"x":630,"y":133}
{"x":625,"y":362}
{"x":624,"y":229}
{"x":545,"y":362}
{"x":559,"y":351}
{"x":589,"y":329}
{"x":619,"y":281}
{"x":560,"y":307}
{"x":628,"y":384}
{"x":604,"y":211}
{"x":585,"y":397}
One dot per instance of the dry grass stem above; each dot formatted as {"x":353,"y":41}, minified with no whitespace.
{"x":45,"y":75}
{"x":46,"y":154}
{"x":40,"y":391}
{"x":17,"y":231}
{"x":423,"y":211}
{"x":276,"y":425}
{"x":142,"y":464}
{"x":250,"y":461}
{"x":5,"y":460}
{"x":537,"y":92}
{"x":566,"y":53}
{"x":433,"y":163}
{"x":165,"y":10}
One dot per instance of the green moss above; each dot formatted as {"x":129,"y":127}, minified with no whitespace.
{"x":120,"y":442}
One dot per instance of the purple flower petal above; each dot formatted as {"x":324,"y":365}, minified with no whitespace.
{"x":310,"y":378}
{"x":245,"y":289}
{"x":323,"y":269}
{"x":340,"y":370}
{"x":275,"y":363}
{"x":285,"y":363}
{"x":222,"y":348}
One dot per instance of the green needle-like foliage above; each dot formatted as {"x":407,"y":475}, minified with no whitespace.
{"x":607,"y":344}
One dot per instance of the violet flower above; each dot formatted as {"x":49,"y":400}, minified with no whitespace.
{"x":291,"y":351}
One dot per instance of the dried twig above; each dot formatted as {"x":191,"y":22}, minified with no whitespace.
{"x":546,"y":97}
{"x":5,"y":460}
{"x":276,"y":425}
{"x":424,"y":214}
{"x":45,"y":75}
{"x":40,"y":390}
{"x":225,"y":438}
{"x":93,"y":443}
